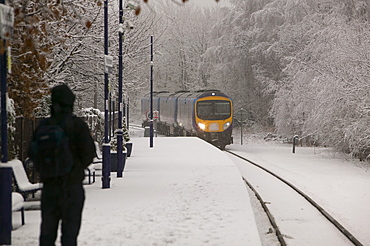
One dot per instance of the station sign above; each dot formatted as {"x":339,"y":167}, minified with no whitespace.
{"x":6,"y":21}
{"x":108,"y":63}
{"x":155,"y":114}
{"x":241,"y":115}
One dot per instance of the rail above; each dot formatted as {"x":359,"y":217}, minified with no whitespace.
{"x":330,"y":218}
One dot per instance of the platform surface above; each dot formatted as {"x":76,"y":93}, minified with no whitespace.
{"x":182,"y":191}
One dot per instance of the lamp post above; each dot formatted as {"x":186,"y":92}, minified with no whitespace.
{"x":106,"y":144}
{"x":151,"y":93}
{"x":127,"y":112}
{"x":119,"y":131}
{"x":5,"y":172}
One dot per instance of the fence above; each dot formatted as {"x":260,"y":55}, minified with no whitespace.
{"x":23,"y":133}
{"x":25,"y":127}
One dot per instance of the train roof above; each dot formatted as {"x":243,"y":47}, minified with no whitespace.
{"x":205,"y":93}
{"x":187,"y":94}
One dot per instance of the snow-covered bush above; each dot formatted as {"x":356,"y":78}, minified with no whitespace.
{"x":95,"y":121}
{"x":113,"y":144}
{"x":12,"y":148}
{"x":125,"y":137}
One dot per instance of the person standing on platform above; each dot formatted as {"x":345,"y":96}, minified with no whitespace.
{"x":63,"y":195}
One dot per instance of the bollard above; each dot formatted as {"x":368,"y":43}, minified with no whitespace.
{"x":5,"y":205}
{"x":295,"y":141}
{"x":106,"y":166}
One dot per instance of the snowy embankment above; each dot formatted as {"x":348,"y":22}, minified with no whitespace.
{"x":339,"y":185}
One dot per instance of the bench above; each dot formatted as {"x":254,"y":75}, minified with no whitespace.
{"x":98,"y":159}
{"x":18,"y":205}
{"x":21,"y":179}
{"x":90,"y":171}
{"x":98,"y":154}
{"x":95,"y":165}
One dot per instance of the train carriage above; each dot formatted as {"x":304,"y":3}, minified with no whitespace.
{"x":206,"y":114}
{"x":185,"y":113}
{"x":145,"y":106}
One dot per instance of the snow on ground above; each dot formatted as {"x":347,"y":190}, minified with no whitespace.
{"x":169,"y":197}
{"x":181,"y":192}
{"x":339,"y":184}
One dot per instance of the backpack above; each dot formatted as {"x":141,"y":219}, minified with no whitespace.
{"x":50,"y":150}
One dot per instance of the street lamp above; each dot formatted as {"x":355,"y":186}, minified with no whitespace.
{"x":151,"y":93}
{"x":106,"y":144}
{"x":119,"y":131}
{"x":151,"y":127}
{"x":7,"y":20}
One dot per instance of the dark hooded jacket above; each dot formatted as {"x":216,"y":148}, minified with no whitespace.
{"x":81,"y":143}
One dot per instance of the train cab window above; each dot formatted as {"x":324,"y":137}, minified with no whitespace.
{"x":213,"y":110}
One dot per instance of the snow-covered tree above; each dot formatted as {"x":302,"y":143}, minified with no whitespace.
{"x":307,"y":61}
{"x":44,"y":40}
{"x":325,"y":90}
{"x":181,"y":46}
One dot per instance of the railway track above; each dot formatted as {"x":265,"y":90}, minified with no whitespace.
{"x":279,"y":234}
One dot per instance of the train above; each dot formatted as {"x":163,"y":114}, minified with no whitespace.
{"x":207,"y":114}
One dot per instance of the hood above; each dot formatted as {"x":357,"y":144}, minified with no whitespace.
{"x":62,"y":100}
{"x":63,"y":95}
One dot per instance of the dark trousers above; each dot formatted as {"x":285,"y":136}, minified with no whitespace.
{"x":65,"y":204}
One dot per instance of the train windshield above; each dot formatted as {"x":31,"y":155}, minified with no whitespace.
{"x":213,"y":110}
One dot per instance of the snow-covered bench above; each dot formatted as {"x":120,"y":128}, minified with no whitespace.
{"x":18,"y":205}
{"x":90,"y":171}
{"x":98,"y":159}
{"x":23,"y":184}
{"x":95,"y":165}
{"x":98,"y":155}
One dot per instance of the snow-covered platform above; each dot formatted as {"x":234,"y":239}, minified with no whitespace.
{"x":181,"y":192}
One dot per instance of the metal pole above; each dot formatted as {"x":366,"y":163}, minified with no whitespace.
{"x":96,"y":95}
{"x":295,"y":141}
{"x":110,"y":115}
{"x":124,"y":106}
{"x":128,"y":112}
{"x":241,"y":133}
{"x":106,"y":145}
{"x":4,"y":114}
{"x":151,"y":92}
{"x":120,"y":67}
{"x":5,"y":172}
{"x":5,"y":205}
{"x":113,"y":102}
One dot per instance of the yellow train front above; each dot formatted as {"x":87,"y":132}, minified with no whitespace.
{"x":213,"y":117}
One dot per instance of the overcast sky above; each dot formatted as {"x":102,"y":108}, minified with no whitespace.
{"x":207,"y":2}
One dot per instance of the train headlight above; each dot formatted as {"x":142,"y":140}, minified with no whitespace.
{"x":202,"y":126}
{"x":227,"y":125}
